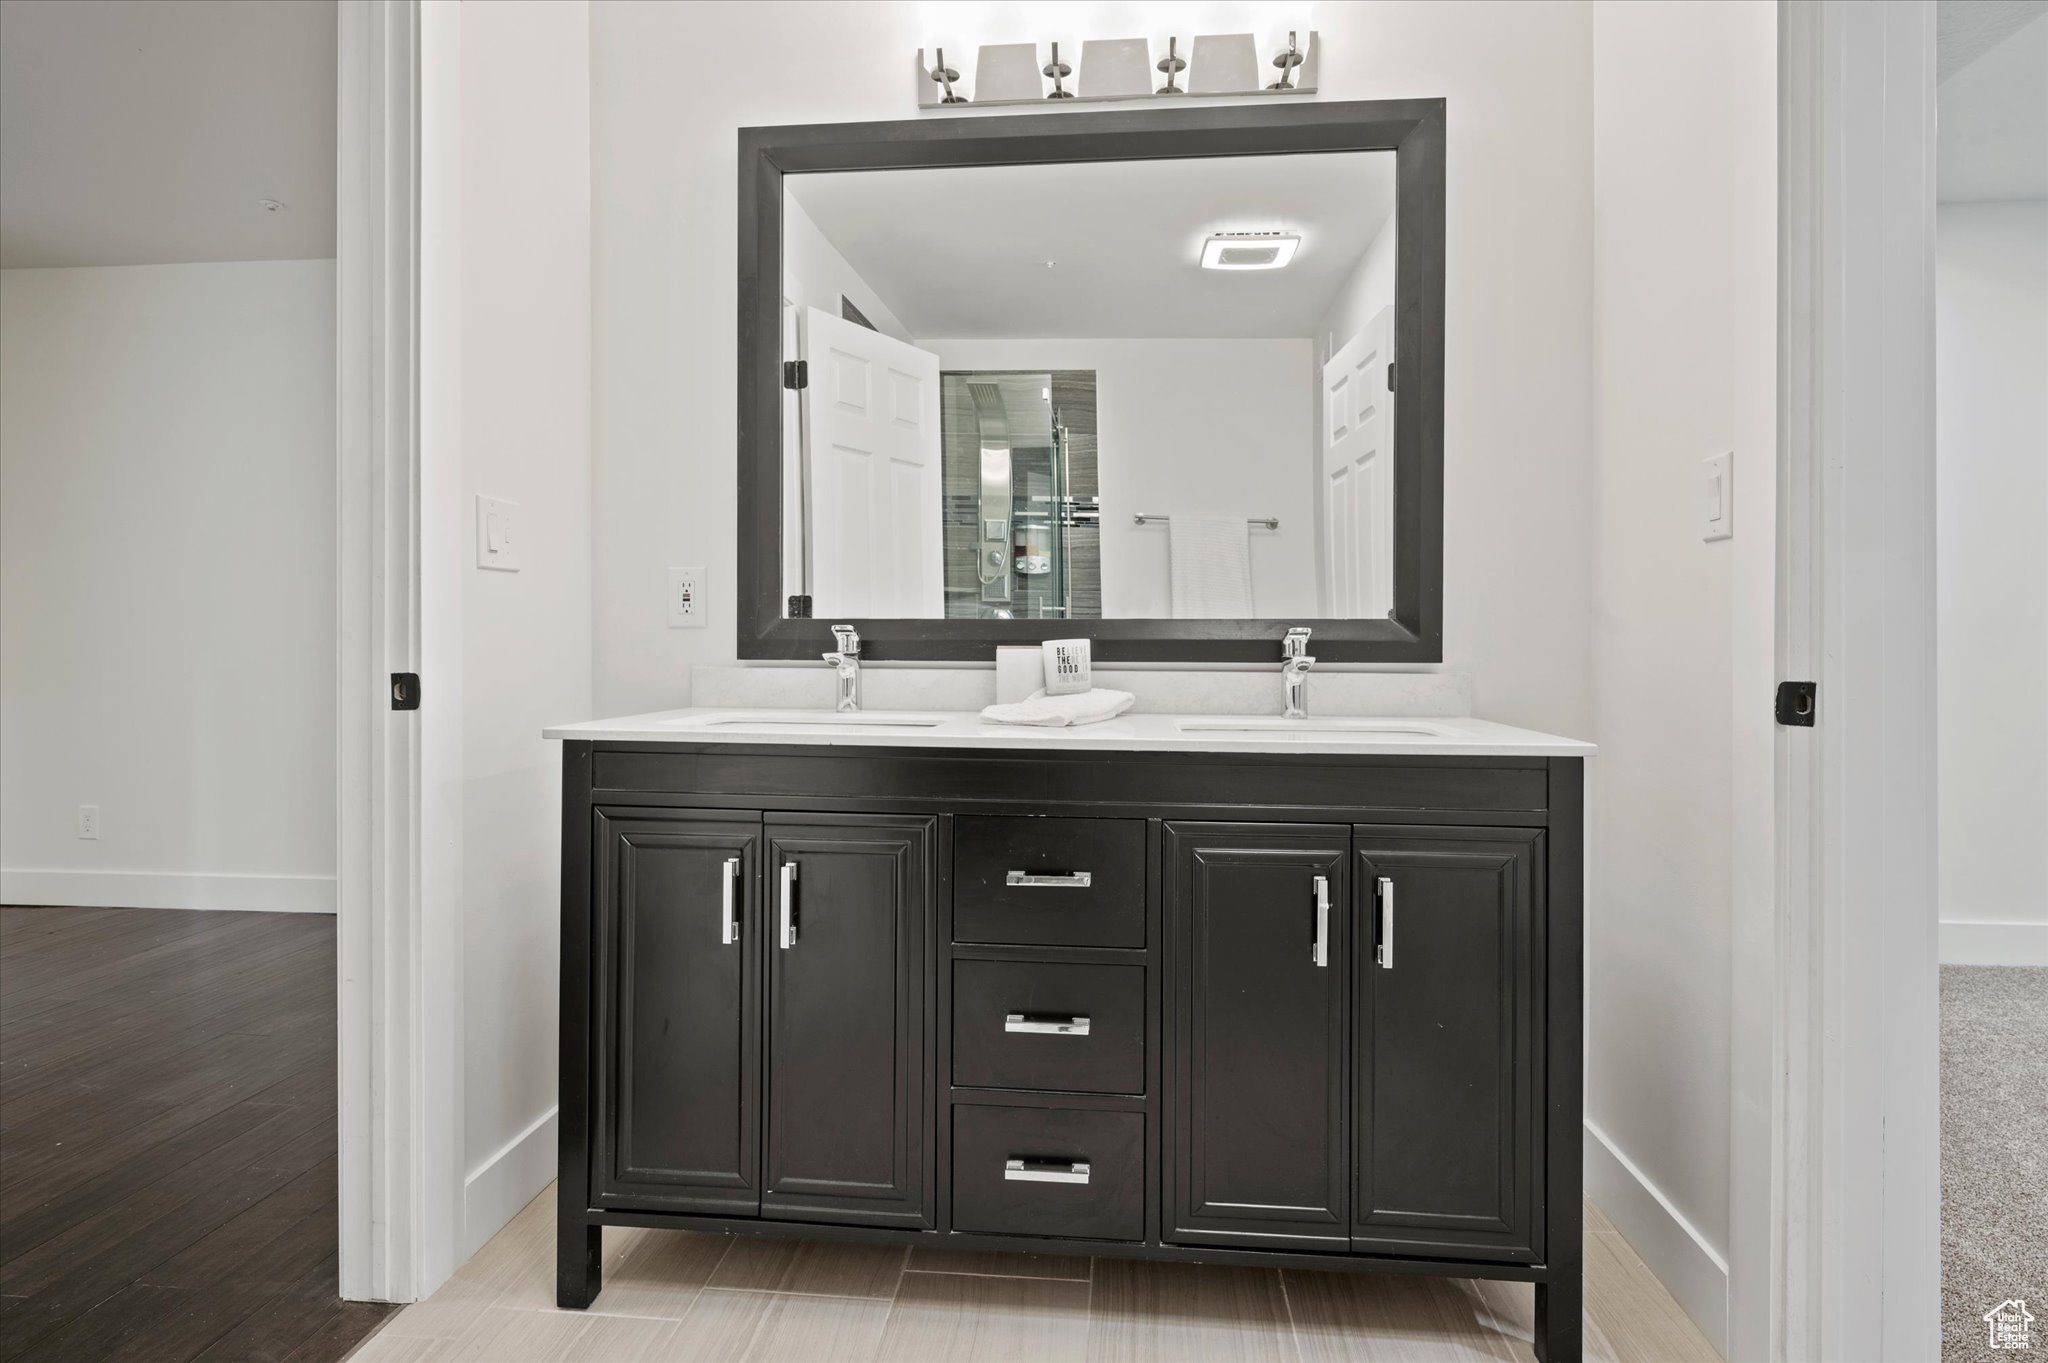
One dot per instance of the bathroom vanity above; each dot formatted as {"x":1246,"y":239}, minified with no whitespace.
{"x":1260,"y":990}
{"x":1230,"y":990}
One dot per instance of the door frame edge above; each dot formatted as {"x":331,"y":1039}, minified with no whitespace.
{"x":1852,"y":1179}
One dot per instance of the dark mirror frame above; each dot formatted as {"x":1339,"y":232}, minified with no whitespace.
{"x":1412,"y":129}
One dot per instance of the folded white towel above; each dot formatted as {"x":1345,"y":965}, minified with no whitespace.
{"x":1089,"y":707}
{"x":1211,"y":558}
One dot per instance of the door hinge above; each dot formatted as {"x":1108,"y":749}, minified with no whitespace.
{"x":1795,"y":704}
{"x":796,"y":373}
{"x":799,"y":608}
{"x":1390,"y":376}
{"x":405,"y":690}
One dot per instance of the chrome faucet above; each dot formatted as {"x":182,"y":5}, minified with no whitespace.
{"x":847,"y":661}
{"x":1294,"y":671}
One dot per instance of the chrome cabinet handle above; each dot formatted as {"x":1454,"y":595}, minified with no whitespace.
{"x":1065,"y":880}
{"x":788,"y":905}
{"x":1385,"y":954}
{"x":728,"y":924}
{"x":1046,"y":1170}
{"x":1319,"y":948}
{"x":1077,"y":1025}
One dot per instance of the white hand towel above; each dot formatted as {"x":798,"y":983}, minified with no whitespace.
{"x":1212,"y":567}
{"x":1054,"y":712}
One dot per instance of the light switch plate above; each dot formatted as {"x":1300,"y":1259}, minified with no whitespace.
{"x":686,"y":605}
{"x":1717,"y":497}
{"x":497,"y":534}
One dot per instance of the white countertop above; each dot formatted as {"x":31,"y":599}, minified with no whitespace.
{"x":1433,"y":736}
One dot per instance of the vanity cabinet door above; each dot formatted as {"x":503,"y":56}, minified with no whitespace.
{"x":852,"y":902}
{"x":1447,"y":1054}
{"x":1258,"y":1154}
{"x":678,"y":1035}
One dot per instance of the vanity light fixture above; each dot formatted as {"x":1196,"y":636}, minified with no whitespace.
{"x":1287,"y":61}
{"x":1249,"y":250}
{"x":945,"y":76}
{"x":1118,"y":68}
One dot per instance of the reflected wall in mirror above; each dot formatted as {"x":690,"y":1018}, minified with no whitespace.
{"x":1155,"y":389}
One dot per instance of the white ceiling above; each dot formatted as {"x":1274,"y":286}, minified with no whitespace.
{"x":137,"y":132}
{"x":961,"y":253}
{"x":1966,"y":29}
{"x":1992,"y":105}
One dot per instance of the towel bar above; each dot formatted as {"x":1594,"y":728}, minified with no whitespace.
{"x":1270,"y":522}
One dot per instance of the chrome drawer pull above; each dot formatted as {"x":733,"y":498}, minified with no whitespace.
{"x":1046,"y":1170}
{"x":788,"y":905}
{"x":1319,"y":946}
{"x":1077,"y":1025}
{"x":728,"y":926}
{"x":1386,"y":947}
{"x":1062,"y":880}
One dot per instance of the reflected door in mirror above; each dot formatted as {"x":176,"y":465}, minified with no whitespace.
{"x":872,"y":456}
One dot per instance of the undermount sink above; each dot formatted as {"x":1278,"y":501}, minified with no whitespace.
{"x":1279,"y":726}
{"x":808,"y":719}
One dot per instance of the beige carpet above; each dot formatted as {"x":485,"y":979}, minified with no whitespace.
{"x":1994,"y":1152}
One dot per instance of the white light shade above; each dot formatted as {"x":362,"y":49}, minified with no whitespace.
{"x":1249,"y":250}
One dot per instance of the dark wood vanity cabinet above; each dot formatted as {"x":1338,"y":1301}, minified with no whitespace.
{"x":1328,"y":1089}
{"x":1258,"y":940}
{"x":1288,"y":1011}
{"x":675,"y":1065}
{"x":846,"y":1093}
{"x":1447,"y":1049}
{"x":759,"y":1028}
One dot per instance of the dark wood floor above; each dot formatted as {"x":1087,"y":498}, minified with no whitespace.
{"x":167,"y":1138}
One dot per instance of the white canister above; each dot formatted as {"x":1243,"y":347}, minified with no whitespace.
{"x":1068,"y":671}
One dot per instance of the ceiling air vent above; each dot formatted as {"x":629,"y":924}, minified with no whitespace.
{"x":1249,"y":250}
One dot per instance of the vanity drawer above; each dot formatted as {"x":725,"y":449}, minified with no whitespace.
{"x":1029,"y":1025}
{"x":1049,"y":882}
{"x":1049,"y":1171}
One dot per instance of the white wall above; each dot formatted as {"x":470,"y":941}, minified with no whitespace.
{"x":1991,"y":470}
{"x":167,"y":591}
{"x":506,"y":413}
{"x":1185,"y":427}
{"x":1684,"y":290}
{"x":1369,"y":288}
{"x":816,"y":275}
{"x":1518,"y":435}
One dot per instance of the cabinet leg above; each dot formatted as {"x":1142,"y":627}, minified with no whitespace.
{"x":1560,"y":1320}
{"x":579,"y":1264}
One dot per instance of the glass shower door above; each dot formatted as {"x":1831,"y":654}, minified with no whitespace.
{"x":1011,"y":507}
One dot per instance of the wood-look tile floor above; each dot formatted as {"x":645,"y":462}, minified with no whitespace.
{"x":676,"y":1295}
{"x":167,"y":1138}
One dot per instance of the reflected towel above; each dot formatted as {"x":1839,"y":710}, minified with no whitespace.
{"x":1053,"y":712}
{"x":1212,"y":567}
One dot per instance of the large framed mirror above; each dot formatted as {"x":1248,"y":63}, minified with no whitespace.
{"x":1170,"y":380}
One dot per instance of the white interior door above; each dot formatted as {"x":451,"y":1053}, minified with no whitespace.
{"x":1356,"y":469}
{"x":872,"y":419}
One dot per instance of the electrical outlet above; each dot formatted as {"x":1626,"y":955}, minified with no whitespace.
{"x":686,"y":604}
{"x":88,"y":821}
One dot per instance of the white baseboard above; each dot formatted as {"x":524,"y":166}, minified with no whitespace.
{"x":1691,"y":1269}
{"x":495,"y":1190}
{"x":1993,"y":943}
{"x":168,"y":890}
